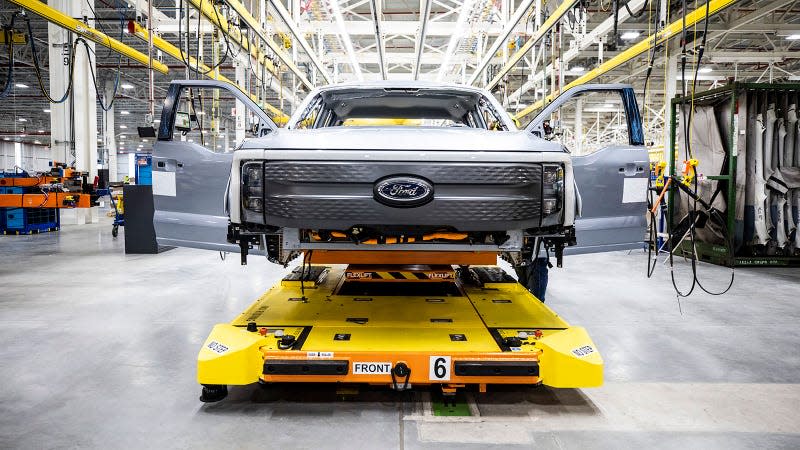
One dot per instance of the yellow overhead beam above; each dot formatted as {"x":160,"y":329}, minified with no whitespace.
{"x":213,"y":15}
{"x":253,"y":23}
{"x":671,"y":30}
{"x":64,"y":21}
{"x":171,"y":50}
{"x":551,"y":21}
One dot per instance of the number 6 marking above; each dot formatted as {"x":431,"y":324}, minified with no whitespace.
{"x":439,"y":368}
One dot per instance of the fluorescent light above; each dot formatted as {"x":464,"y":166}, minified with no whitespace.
{"x":47,"y":110}
{"x":793,"y":37}
{"x":21,"y":85}
{"x":6,"y":139}
{"x":123,"y":127}
{"x":608,"y":105}
{"x":576,"y":69}
{"x":126,"y":86}
{"x":705,"y":70}
{"x":201,"y":113}
{"x":40,"y":131}
{"x":22,"y":119}
{"x":628,"y":35}
{"x":37,"y":142}
{"x":144,"y":140}
{"x":124,"y":113}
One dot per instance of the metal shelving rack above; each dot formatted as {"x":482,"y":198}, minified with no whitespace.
{"x":735,"y":138}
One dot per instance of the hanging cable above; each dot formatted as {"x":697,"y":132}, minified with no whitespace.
{"x":641,"y":11}
{"x":8,"y":33}
{"x":693,"y":197}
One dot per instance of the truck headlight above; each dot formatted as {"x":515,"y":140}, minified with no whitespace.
{"x":552,"y":189}
{"x":253,"y":186}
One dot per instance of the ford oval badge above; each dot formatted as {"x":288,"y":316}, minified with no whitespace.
{"x":403,"y":191}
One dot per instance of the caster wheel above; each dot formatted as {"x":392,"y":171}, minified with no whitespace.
{"x":114,"y":230}
{"x":213,"y":393}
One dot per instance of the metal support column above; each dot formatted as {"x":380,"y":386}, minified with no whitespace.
{"x":109,"y":132}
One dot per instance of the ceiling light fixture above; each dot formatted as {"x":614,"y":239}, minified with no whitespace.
{"x":21,"y":85}
{"x":629,"y":35}
{"x":705,"y":70}
{"x":126,"y":86}
{"x":123,"y":127}
{"x":793,"y":37}
{"x":576,"y":69}
{"x":22,"y":119}
{"x":124,"y":113}
{"x":47,"y":110}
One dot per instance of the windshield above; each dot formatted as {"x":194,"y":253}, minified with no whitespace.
{"x":401,"y":107}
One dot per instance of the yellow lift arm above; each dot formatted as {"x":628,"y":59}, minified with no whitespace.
{"x":158,"y":42}
{"x":671,"y":30}
{"x":64,"y":21}
{"x":562,"y":9}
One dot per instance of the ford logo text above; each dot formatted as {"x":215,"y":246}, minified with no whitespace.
{"x":403,"y":191}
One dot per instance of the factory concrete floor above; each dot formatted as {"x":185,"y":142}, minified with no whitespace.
{"x":98,"y":350}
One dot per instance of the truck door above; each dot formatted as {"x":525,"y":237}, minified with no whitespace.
{"x":601,"y":126}
{"x":192,"y":158}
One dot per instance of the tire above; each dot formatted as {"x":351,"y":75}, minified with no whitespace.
{"x":115,"y":230}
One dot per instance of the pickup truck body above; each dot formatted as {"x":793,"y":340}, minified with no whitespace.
{"x":323,"y":181}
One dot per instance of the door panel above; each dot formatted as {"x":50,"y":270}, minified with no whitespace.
{"x":192,"y":161}
{"x":613,"y":184}
{"x":601,"y":126}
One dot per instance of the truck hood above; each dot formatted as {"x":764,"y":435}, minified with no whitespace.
{"x":399,"y":138}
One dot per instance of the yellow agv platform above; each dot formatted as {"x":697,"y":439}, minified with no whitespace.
{"x":399,"y":327}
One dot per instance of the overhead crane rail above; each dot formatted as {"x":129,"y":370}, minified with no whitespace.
{"x":68,"y":23}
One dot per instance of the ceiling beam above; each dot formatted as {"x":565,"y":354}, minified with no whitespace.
{"x":461,"y":28}
{"x":298,"y":36}
{"x":537,"y":36}
{"x":345,"y":37}
{"x":377,"y":13}
{"x":501,"y":39}
{"x":256,"y":27}
{"x":592,"y":38}
{"x":674,"y":29}
{"x":424,"y":12}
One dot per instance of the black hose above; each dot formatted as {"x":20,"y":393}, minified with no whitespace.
{"x":8,"y":33}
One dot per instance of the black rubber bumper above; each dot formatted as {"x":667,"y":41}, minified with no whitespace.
{"x":496,"y":368}
{"x":295,"y":367}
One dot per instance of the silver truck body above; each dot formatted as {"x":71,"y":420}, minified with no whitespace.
{"x":328,"y":178}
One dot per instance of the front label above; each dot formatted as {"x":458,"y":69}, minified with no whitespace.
{"x":372,"y":368}
{"x":580,"y":352}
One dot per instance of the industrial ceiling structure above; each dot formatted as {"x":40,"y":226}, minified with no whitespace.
{"x":523,"y":51}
